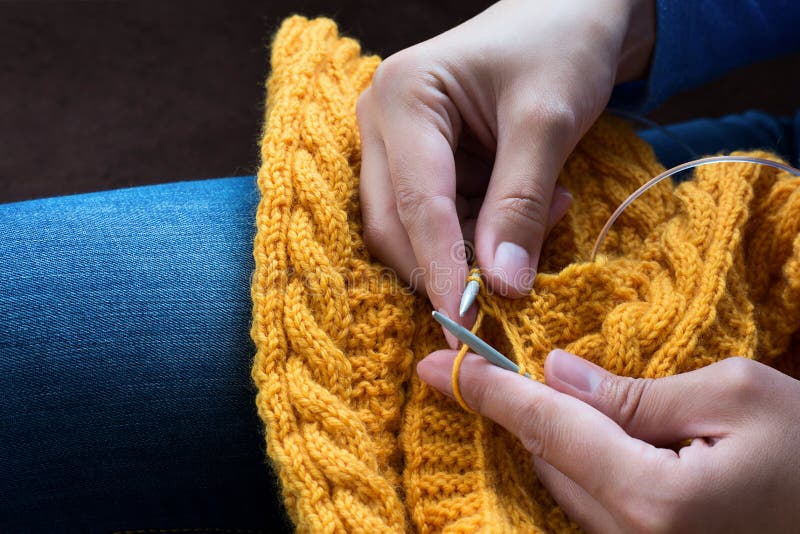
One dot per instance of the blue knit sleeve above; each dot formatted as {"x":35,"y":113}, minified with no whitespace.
{"x":698,"y":40}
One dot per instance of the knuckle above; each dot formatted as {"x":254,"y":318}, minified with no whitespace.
{"x":534,"y":442}
{"x":554,"y":115}
{"x":740,"y":376}
{"x":408,"y":199}
{"x":623,"y":397}
{"x":415,"y":206}
{"x":561,"y":117}
{"x":396,"y":71}
{"x":527,"y":209}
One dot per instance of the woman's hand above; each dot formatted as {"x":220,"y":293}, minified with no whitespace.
{"x":463,"y":136}
{"x":600,"y":442}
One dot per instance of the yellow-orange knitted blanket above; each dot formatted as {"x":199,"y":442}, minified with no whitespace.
{"x":690,"y":275}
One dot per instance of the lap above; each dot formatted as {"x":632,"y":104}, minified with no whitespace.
{"x":125,"y":361}
{"x":125,"y":352}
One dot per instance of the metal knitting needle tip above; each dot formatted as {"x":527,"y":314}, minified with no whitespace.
{"x":468,"y":297}
{"x":476,"y":344}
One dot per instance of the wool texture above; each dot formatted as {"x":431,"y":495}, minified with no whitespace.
{"x":688,"y":275}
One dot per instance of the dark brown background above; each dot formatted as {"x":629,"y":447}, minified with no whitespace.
{"x":99,"y":95}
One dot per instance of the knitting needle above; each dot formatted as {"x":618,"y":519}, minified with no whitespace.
{"x":477,"y":344}
{"x":468,"y":297}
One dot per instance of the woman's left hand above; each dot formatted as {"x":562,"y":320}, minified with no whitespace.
{"x":606,"y":446}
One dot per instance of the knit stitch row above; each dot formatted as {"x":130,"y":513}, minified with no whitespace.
{"x":689,"y":275}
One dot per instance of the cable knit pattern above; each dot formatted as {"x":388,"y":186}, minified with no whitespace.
{"x":687,"y":276}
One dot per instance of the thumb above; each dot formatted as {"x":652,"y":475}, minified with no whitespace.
{"x":660,"y":411}
{"x":514,"y":218}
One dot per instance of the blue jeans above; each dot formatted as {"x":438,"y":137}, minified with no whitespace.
{"x":125,"y":393}
{"x":125,"y":362}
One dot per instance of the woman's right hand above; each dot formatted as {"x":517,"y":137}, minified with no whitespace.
{"x":463,"y":136}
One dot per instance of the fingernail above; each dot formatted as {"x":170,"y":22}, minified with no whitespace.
{"x":512,"y":264}
{"x":564,"y":195}
{"x":452,"y":342}
{"x":575,"y":371}
{"x":563,"y":201}
{"x":435,"y":374}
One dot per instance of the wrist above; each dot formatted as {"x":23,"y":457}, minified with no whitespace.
{"x":637,"y":47}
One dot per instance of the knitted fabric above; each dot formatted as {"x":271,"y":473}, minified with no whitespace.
{"x":689,"y":275}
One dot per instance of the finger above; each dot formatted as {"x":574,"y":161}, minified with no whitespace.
{"x":573,"y":499}
{"x":384,"y":234}
{"x":562,"y":201}
{"x":514,"y":217}
{"x":663,"y":411}
{"x":573,"y":437}
{"x":419,"y":150}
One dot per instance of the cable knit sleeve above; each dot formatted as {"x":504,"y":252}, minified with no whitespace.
{"x":701,"y":39}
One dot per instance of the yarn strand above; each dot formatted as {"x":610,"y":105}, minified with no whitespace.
{"x":454,"y":377}
{"x":690,"y":274}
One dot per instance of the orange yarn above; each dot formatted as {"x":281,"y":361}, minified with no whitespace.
{"x":462,"y":352}
{"x":690,"y":275}
{"x":475,"y":276}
